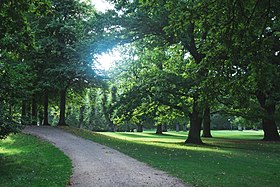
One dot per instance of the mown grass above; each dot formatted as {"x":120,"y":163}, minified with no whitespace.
{"x":232,"y":158}
{"x":28,"y":161}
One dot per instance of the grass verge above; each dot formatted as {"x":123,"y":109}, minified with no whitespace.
{"x":28,"y":161}
{"x":232,"y":159}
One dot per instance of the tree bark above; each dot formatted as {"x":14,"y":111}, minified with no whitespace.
{"x":11,"y":109}
{"x":46,"y":108}
{"x":81,"y":118}
{"x":41,"y":117}
{"x":177,"y":127}
{"x":111,"y":126}
{"x":34,"y":111}
{"x":164,"y":128}
{"x":195,"y":126}
{"x":206,"y":123}
{"x":28,"y":113}
{"x":184,"y":127}
{"x":23,"y":112}
{"x":139,"y":128}
{"x":62,"y":108}
{"x":159,"y":129}
{"x":268,"y":122}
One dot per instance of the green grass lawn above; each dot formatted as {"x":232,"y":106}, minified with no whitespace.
{"x":232,"y":158}
{"x":26,"y":161}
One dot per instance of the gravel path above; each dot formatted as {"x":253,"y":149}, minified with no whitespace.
{"x":98,"y":165}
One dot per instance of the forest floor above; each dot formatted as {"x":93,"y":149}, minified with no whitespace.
{"x":97,"y":165}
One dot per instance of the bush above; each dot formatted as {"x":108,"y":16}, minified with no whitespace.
{"x":8,"y":125}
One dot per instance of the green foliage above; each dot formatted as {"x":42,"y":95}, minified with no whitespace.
{"x":214,"y":53}
{"x":7,"y":124}
{"x":179,"y":57}
{"x":222,"y":122}
{"x":93,"y":117}
{"x":155,"y":85}
{"x":29,"y":161}
{"x":67,"y":38}
{"x":48,"y":46}
{"x":245,"y":123}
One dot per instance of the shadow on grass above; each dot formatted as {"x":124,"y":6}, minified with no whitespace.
{"x":244,"y":145}
{"x":145,"y":135}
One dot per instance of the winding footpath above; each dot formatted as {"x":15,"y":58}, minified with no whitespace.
{"x":100,"y":166}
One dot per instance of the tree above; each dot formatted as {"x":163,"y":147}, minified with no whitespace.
{"x":174,"y":23}
{"x":71,"y":40}
{"x":235,"y":61}
{"x":16,"y":40}
{"x":246,"y":52}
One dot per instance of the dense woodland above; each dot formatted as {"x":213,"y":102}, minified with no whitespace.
{"x":187,"y":65}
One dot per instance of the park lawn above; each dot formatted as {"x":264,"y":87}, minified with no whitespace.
{"x":231,"y":159}
{"x":28,"y":161}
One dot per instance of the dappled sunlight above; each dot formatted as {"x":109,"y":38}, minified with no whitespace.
{"x":8,"y":151}
{"x":246,"y":159}
{"x":144,"y":137}
{"x":168,"y":141}
{"x":183,"y":146}
{"x":178,"y":134}
{"x":224,"y":142}
{"x":9,"y":140}
{"x":26,"y":160}
{"x":234,"y":134}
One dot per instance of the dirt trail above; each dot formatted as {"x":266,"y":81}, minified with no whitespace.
{"x":97,"y":165}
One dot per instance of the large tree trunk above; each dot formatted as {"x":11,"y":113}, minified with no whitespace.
{"x":81,"y":118}
{"x":46,"y":108}
{"x":206,"y":123}
{"x":11,"y":109}
{"x":28,"y":113}
{"x":195,"y":126}
{"x":177,"y":127}
{"x":268,"y":121}
{"x":139,"y":128}
{"x":164,"y":128}
{"x":269,"y":124}
{"x":111,"y":125}
{"x":184,"y":127}
{"x":62,"y":108}
{"x":91,"y":117}
{"x":34,"y":111}
{"x":40,"y":117}
{"x":23,"y":112}
{"x":270,"y":130}
{"x":159,"y":129}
